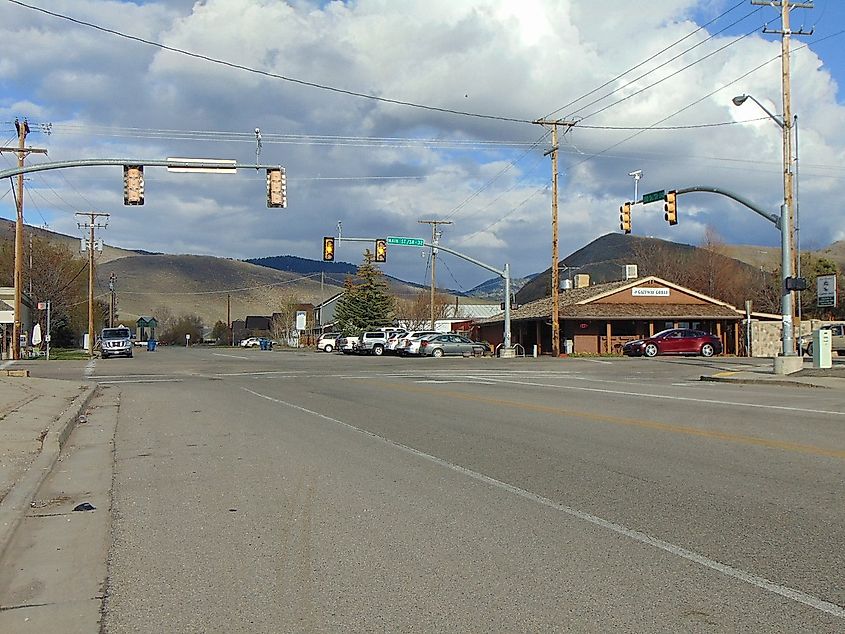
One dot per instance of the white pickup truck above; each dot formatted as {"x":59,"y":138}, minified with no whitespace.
{"x":837,"y":332}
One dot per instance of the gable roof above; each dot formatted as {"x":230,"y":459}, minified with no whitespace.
{"x":581,"y":303}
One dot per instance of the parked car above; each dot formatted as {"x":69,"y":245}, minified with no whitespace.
{"x":347,"y":345}
{"x":403,"y":344}
{"x":442,"y":345}
{"x":837,"y":340}
{"x":115,"y":342}
{"x":412,"y":345}
{"x":328,"y":341}
{"x":372,"y":342}
{"x":675,"y":341}
{"x":393,"y":339}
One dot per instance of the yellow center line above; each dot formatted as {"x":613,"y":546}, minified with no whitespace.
{"x":629,"y":422}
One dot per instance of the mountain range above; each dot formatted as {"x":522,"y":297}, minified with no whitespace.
{"x":209,"y":286}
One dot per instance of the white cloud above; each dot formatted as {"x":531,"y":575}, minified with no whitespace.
{"x":487,"y":56}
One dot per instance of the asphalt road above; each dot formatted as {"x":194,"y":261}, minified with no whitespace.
{"x":298,"y":491}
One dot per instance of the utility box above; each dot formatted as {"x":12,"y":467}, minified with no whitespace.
{"x":822,"y":348}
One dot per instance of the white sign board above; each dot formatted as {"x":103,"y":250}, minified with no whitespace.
{"x":826,"y":291}
{"x":300,"y":320}
{"x":36,"y":335}
{"x":650,"y":292}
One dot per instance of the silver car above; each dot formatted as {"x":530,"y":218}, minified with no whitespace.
{"x":457,"y":345}
{"x":409,"y":343}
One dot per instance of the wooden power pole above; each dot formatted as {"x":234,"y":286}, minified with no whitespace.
{"x":91,"y":225}
{"x":555,"y":283}
{"x":22,"y":152}
{"x":435,"y":236}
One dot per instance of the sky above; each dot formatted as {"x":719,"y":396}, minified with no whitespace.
{"x":388,"y":112}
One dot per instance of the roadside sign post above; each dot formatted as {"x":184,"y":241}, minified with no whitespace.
{"x":42,"y":306}
{"x":826,"y":291}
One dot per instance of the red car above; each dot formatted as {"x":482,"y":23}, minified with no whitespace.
{"x":675,"y":341}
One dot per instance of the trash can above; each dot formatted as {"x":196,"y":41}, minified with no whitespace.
{"x":151,"y":345}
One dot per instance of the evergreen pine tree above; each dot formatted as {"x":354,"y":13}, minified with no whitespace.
{"x":366,"y":301}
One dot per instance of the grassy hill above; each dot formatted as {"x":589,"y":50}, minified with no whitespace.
{"x":200,"y":284}
{"x":7,"y":231}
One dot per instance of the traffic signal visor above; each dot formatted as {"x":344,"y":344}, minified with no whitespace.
{"x":133,"y":184}
{"x":381,"y":250}
{"x":670,"y":208}
{"x":277,"y":192}
{"x":625,"y":217}
{"x":328,"y":249}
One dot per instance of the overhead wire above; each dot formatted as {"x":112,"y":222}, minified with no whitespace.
{"x":264,"y":73}
{"x":645,"y":61}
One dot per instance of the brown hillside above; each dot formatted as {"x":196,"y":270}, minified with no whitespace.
{"x":7,"y":231}
{"x":199,"y":284}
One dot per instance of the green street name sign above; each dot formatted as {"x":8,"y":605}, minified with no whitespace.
{"x":653,"y":197}
{"x":406,"y":242}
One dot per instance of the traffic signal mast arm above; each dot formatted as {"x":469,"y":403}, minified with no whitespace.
{"x":774,"y":219}
{"x":503,"y":273}
{"x":191,"y":165}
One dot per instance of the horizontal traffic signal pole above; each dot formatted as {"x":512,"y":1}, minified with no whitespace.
{"x":188,"y":165}
{"x":773,"y":218}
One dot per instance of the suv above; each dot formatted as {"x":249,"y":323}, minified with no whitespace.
{"x":372,"y":342}
{"x":116,"y":342}
{"x":837,"y":340}
{"x":327,"y":341}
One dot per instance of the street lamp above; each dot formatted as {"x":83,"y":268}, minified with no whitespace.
{"x":785,"y":226}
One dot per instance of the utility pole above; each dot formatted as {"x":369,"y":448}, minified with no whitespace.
{"x":231,"y":336}
{"x":435,"y":237}
{"x":22,"y":152}
{"x":788,"y":258}
{"x":112,"y":279}
{"x":91,"y":225}
{"x":554,"y":124}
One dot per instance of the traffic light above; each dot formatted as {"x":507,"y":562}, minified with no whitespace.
{"x":133,"y":184}
{"x":381,"y":250}
{"x":277,"y":189}
{"x":328,"y":249}
{"x":671,"y":214}
{"x":625,"y":217}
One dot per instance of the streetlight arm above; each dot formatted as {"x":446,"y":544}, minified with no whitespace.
{"x":740,"y":100}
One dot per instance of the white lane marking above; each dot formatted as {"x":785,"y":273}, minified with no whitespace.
{"x":468,"y":380}
{"x":674,"y":398}
{"x":231,"y":356}
{"x":598,"y":361}
{"x":89,"y":368}
{"x":644,"y":538}
{"x":141,"y":381}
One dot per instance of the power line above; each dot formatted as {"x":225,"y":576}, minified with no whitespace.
{"x":264,"y":73}
{"x":660,"y":81}
{"x":645,"y":61}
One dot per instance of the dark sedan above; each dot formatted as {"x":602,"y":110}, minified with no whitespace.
{"x":675,"y":341}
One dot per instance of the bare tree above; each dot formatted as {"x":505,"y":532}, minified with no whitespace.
{"x":416,"y":312}
{"x":284,"y":317}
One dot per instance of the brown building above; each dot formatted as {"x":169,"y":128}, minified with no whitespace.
{"x":601,"y":318}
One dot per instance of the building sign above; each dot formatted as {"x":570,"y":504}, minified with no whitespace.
{"x":300,"y":320}
{"x":650,"y":292}
{"x":826,"y":291}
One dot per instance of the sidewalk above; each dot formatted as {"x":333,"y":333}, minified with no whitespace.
{"x":809,"y":377}
{"x":36,"y":418}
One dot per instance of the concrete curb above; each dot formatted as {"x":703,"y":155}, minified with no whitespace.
{"x":727,"y":379}
{"x":15,"y":505}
